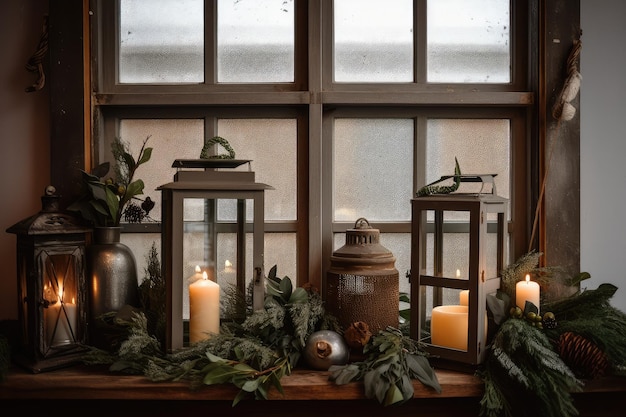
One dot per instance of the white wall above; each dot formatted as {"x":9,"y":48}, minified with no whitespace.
{"x":603,"y":145}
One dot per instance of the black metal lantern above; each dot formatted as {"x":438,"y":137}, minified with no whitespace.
{"x":362,"y":282}
{"x":206,"y":223}
{"x":457,"y":254}
{"x":51,"y":286}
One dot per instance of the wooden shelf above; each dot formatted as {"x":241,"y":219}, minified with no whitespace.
{"x":93,"y":391}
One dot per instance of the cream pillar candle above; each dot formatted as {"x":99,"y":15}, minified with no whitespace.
{"x":448,"y":326}
{"x":204,"y":309}
{"x":64,"y":317}
{"x":527,"y":290}
{"x":464,"y":298}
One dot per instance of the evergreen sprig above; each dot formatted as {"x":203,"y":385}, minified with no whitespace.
{"x":525,"y":376}
{"x":253,"y":354}
{"x":393,"y":360}
{"x":589,"y":313}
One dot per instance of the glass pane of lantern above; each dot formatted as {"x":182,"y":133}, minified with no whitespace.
{"x":455,"y":251}
{"x":443,"y":323}
{"x":165,"y":139}
{"x":468,"y":41}
{"x":60,"y":295}
{"x":161,"y":41}
{"x":255,"y":41}
{"x":482,"y":146}
{"x":373,"y":41}
{"x":357,"y":176}
{"x":263,"y":141}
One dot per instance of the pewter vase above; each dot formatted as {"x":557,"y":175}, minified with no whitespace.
{"x":112,"y":273}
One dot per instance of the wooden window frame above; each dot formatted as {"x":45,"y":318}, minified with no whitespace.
{"x":76,"y":112}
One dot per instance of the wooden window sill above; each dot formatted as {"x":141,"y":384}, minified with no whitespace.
{"x":93,"y":391}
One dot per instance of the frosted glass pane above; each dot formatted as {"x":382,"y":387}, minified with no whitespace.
{"x":170,"y":139}
{"x":468,"y":41}
{"x":399,"y":244}
{"x":271,"y":144}
{"x":255,"y":41}
{"x":373,"y":41}
{"x":372,"y":169}
{"x":482,"y":146}
{"x":161,"y":41}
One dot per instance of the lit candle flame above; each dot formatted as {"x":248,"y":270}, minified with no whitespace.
{"x":527,"y":278}
{"x":458,"y":273}
{"x":205,"y":275}
{"x":198,"y":268}
{"x":228,"y":264}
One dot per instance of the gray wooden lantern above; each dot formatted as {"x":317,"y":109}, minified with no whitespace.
{"x":205,"y":225}
{"x":457,"y":254}
{"x":362,"y":282}
{"x":51,"y":286}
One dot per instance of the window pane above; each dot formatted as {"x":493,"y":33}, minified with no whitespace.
{"x":372,"y":169}
{"x":271,"y":144}
{"x":373,"y":41}
{"x":161,"y":41}
{"x":170,"y":139}
{"x":255,"y":41}
{"x":482,"y":146}
{"x":468,"y":41}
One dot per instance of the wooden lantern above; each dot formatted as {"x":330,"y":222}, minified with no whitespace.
{"x":196,"y":207}
{"x":457,"y":254}
{"x":51,"y":286}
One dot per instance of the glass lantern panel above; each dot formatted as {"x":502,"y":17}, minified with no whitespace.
{"x":453,"y":262}
{"x":357,"y":176}
{"x":60,"y":297}
{"x":255,"y":41}
{"x":373,"y":41}
{"x":271,"y":145}
{"x":443,"y":323}
{"x":468,"y":41}
{"x":161,"y":41}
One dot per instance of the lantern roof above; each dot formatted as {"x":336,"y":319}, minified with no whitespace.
{"x":213,"y":174}
{"x":50,"y":220}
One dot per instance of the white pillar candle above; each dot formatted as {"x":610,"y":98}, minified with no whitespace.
{"x":64,"y":317}
{"x":527,"y":290}
{"x":448,"y":326}
{"x":204,"y":309}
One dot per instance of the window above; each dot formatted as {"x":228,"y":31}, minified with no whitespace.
{"x":346,"y":107}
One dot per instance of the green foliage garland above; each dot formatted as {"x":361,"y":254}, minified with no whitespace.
{"x":589,"y":313}
{"x":392,"y":361}
{"x":524,"y":376}
{"x":253,"y":355}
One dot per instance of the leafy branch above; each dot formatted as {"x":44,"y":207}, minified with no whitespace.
{"x":393,"y":360}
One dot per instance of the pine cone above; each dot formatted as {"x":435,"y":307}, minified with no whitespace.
{"x":583,"y":356}
{"x":357,"y":335}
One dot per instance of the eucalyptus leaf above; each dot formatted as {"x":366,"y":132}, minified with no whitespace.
{"x":498,"y":307}
{"x":393,"y":395}
{"x":422,"y":371}
{"x":145,"y":156}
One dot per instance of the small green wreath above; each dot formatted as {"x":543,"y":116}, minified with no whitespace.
{"x":217,"y":140}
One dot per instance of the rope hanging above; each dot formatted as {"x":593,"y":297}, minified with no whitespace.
{"x":35,"y":62}
{"x":561,"y":111}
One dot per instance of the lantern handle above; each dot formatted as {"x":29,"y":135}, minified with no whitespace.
{"x":358,"y":224}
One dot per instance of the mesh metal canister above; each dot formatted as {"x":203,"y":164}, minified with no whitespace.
{"x":362,"y":282}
